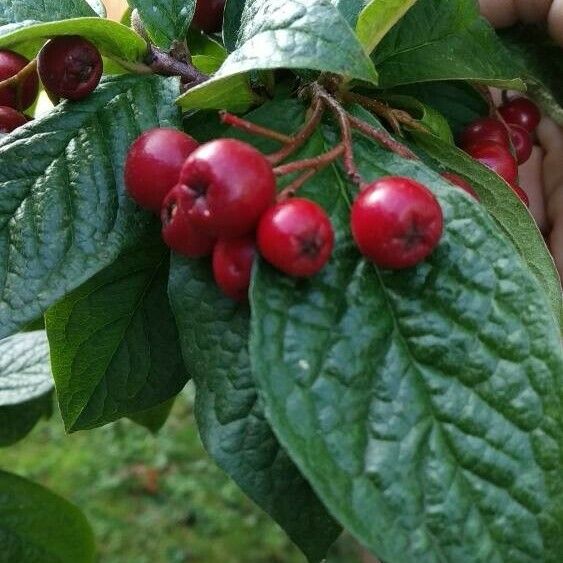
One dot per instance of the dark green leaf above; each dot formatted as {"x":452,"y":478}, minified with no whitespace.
{"x":439,"y":40}
{"x":37,"y":526}
{"x":64,"y":215}
{"x":541,"y":65}
{"x":424,"y":406}
{"x":293,"y":34}
{"x":112,"y":39}
{"x":231,"y":23}
{"x":25,"y":385}
{"x":114,"y":342}
{"x":507,"y":209}
{"x":214,"y":335}
{"x":13,"y":11}
{"x":166,"y":21}
{"x":154,"y":419}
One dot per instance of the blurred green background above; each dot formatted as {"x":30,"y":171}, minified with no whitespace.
{"x":154,"y":499}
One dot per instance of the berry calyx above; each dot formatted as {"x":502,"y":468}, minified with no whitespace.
{"x":209,"y":15}
{"x":178,"y":232}
{"x":296,"y":236}
{"x":397,"y":222}
{"x":10,"y":64}
{"x":496,"y":157}
{"x":70,"y":67}
{"x":523,"y":112}
{"x":461,"y":183}
{"x":522,"y":195}
{"x":231,"y":184}
{"x":153,"y":165}
{"x":10,"y":119}
{"x":232,"y":266}
{"x":522,"y":143}
{"x":483,"y":130}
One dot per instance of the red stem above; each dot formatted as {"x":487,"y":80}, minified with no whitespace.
{"x":249,"y":127}
{"x":315,"y":163}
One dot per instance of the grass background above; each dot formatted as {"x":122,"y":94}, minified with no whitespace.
{"x":154,"y":499}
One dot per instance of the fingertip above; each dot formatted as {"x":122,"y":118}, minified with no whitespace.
{"x":555,"y":21}
{"x":501,"y":13}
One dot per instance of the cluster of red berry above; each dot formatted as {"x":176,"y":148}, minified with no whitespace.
{"x":69,"y":67}
{"x":220,"y":198}
{"x":502,"y":144}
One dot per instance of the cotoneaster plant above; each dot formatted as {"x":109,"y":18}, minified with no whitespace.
{"x":265,"y":197}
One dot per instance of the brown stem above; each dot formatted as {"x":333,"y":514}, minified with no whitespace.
{"x":249,"y":127}
{"x":486,"y":94}
{"x":162,"y":63}
{"x":315,"y":163}
{"x":301,"y":137}
{"x":381,"y":137}
{"x":19,"y":79}
{"x":291,"y":189}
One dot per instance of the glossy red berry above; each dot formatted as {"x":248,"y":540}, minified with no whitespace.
{"x":209,"y":15}
{"x":522,"y":195}
{"x":231,"y":184}
{"x":522,"y":143}
{"x":153,"y":165}
{"x":397,"y":222}
{"x":70,"y":67}
{"x":232,"y":266}
{"x":482,"y":130}
{"x":496,"y":157}
{"x":10,"y":119}
{"x":10,"y":64}
{"x":461,"y":183}
{"x":296,"y":236}
{"x":178,"y":231}
{"x":523,"y":112}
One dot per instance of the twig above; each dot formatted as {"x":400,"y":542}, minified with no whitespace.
{"x":244,"y":125}
{"x":291,"y":189}
{"x":162,"y":63}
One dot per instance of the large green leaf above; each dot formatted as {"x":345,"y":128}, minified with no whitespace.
{"x":229,"y":413}
{"x":350,"y":9}
{"x":424,"y":406}
{"x":507,"y":209}
{"x":541,"y":65}
{"x":64,"y":214}
{"x":439,"y":40}
{"x":12,"y":11}
{"x":286,"y":34}
{"x":155,"y":418}
{"x":114,"y":342}
{"x":37,"y":526}
{"x":377,"y":18}
{"x":165,"y":20}
{"x":112,"y":39}
{"x":25,"y":385}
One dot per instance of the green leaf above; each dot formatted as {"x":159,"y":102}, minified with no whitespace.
{"x":377,"y":18}
{"x":350,"y":9}
{"x":114,"y":342}
{"x":154,"y":419}
{"x":37,"y":526}
{"x":424,"y":406}
{"x":13,"y":11}
{"x":64,"y":214}
{"x":229,"y":413}
{"x":166,"y":21}
{"x":26,"y":385}
{"x":285,"y":34}
{"x":541,"y":66}
{"x":439,"y":40}
{"x":111,"y":38}
{"x":231,"y":23}
{"x":507,"y":209}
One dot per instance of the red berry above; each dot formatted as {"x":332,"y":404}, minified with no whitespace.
{"x":523,"y":112}
{"x":296,"y":236}
{"x":70,"y":67}
{"x":496,"y":157}
{"x":522,"y":143}
{"x":397,"y":222}
{"x":209,"y":15}
{"x":178,"y":231}
{"x":482,"y":130}
{"x":522,"y":195}
{"x":231,"y":184}
{"x":153,"y":165}
{"x":10,"y":64}
{"x":10,"y":119}
{"x":232,"y":266}
{"x":461,"y":183}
